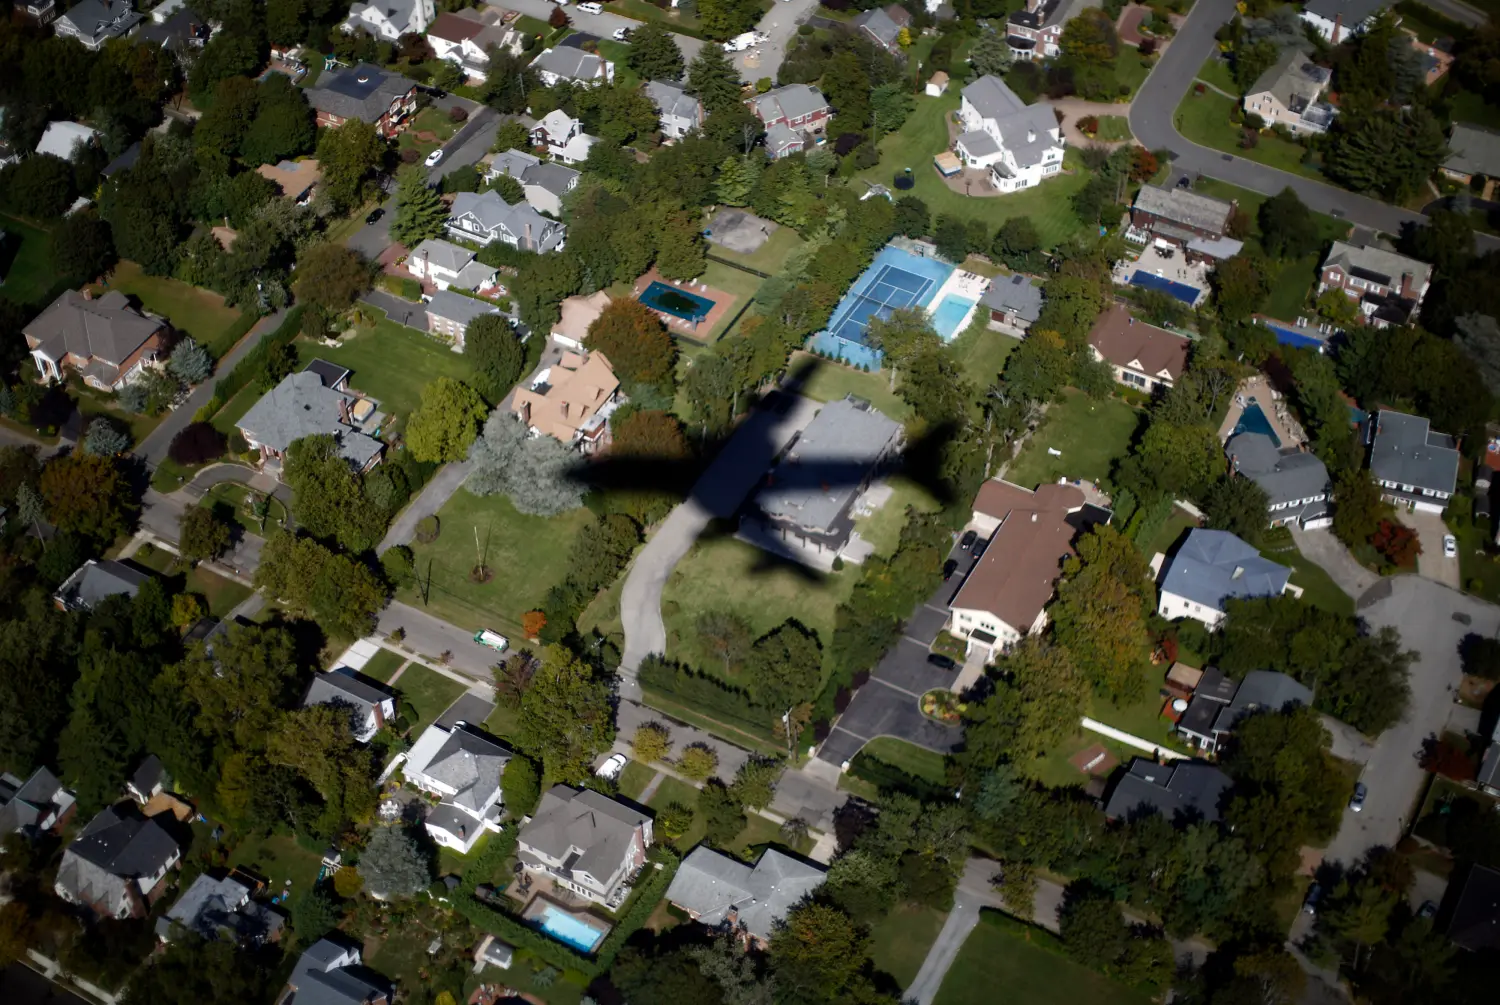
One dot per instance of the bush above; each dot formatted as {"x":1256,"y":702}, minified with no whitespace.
{"x":652,"y":742}
{"x":698,"y":761}
{"x":457,"y":114}
{"x":427,"y":529}
{"x":804,"y":30}
{"x":198,"y":443}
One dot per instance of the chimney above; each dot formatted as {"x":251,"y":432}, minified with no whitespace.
{"x":1406,"y":283}
{"x":528,"y":233}
{"x":1031,"y":136}
{"x":1239,"y":570}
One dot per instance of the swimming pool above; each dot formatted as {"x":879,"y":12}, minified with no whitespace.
{"x":563,"y":927}
{"x":1182,"y":291}
{"x":1291,"y":336}
{"x":1253,"y":420}
{"x":950,"y":315}
{"x":678,"y":303}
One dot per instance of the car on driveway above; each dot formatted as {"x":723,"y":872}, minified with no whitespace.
{"x":949,"y":568}
{"x":611,"y":768}
{"x":1450,"y":546}
{"x":375,"y":214}
{"x":980,"y":545}
{"x":967,"y":541}
{"x":942,"y":662}
{"x":1313,"y":898}
{"x":1358,"y":802}
{"x":434,"y":157}
{"x":620,"y":34}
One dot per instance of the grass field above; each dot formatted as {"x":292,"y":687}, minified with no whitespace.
{"x":634,"y":779}
{"x":1466,"y":106}
{"x":1216,"y":71}
{"x":1091,"y":436}
{"x":222,"y":595}
{"x":193,"y":311}
{"x":925,"y":135}
{"x":770,"y":256}
{"x":429,"y":692}
{"x":29,"y":277}
{"x":826,"y":381}
{"x":234,"y":497}
{"x":994,"y":957}
{"x":529,"y":555}
{"x":1131,"y":70}
{"x":733,"y":281}
{"x":390,"y":362}
{"x":883,"y":527}
{"x":981,"y":352}
{"x":910,"y":758}
{"x":757,"y":831}
{"x":1113,"y":128}
{"x":1204,"y":118}
{"x":429,"y":120}
{"x":383,"y":665}
{"x":1318,"y":587}
{"x":278,"y":858}
{"x":902,"y":939}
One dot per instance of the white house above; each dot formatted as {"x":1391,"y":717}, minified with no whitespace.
{"x":466,"y":37}
{"x":463,"y":769}
{"x":62,"y":139}
{"x":390,"y":19}
{"x":1213,"y":567}
{"x":586,"y":843}
{"x":564,"y":62}
{"x":485,"y":217}
{"x":369,"y":707}
{"x":1020,"y":144}
{"x":1415,"y":466}
{"x":543,"y":182}
{"x":1336,"y":20}
{"x":445,"y":264}
{"x":563,"y":137}
{"x":94,"y":22}
{"x":680,"y":112}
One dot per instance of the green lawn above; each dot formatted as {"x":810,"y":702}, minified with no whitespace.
{"x":383,"y":665}
{"x":529,"y":555}
{"x":436,"y":128}
{"x":1171,"y":530}
{"x":902,"y":938}
{"x":1204,"y":118}
{"x":883,"y":527}
{"x":826,"y":381}
{"x":1463,"y":106}
{"x":994,"y":957}
{"x":981,"y":352}
{"x":235,"y":498}
{"x":634,"y":779}
{"x":429,"y":692}
{"x":281,"y":860}
{"x":29,"y":278}
{"x":1318,"y":587}
{"x":223,"y":595}
{"x":770,"y":256}
{"x":618,"y":53}
{"x":92,"y":402}
{"x":1131,"y":70}
{"x":1091,"y":436}
{"x":1216,"y":71}
{"x":235,"y":408}
{"x":916,"y":761}
{"x":675,"y":790}
{"x":1113,"y":128}
{"x":925,"y":135}
{"x":193,"y":311}
{"x":503,"y":722}
{"x":391,"y":363}
{"x":730,"y":280}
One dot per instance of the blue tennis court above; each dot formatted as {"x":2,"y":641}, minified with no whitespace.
{"x":1182,"y":291}
{"x":890,"y":290}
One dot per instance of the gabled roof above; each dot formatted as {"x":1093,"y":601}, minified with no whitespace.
{"x":1017,"y":574}
{"x":571,"y":63}
{"x":402,"y":14}
{"x":95,"y":19}
{"x":1353,"y":12}
{"x":567,"y":394}
{"x":97,"y":579}
{"x":554,"y":177}
{"x":361,"y":92}
{"x":673,"y":100}
{"x":123,"y":843}
{"x":1017,"y":295}
{"x":586,"y":829}
{"x":813,"y":484}
{"x":1262,"y":690}
{"x":779,"y":136}
{"x":452,"y":28}
{"x":494,"y":214}
{"x":341,"y":687}
{"x":1475,"y":151}
{"x":880,"y":25}
{"x":23,"y":804}
{"x":1214,"y":566}
{"x":1407,"y":451}
{"x":464,"y":761}
{"x":1294,"y":79}
{"x":1191,"y":788}
{"x":61,"y":138}
{"x":790,"y":101}
{"x":330,"y":973}
{"x":149,"y":775}
{"x":1125,"y":341}
{"x":711,"y":885}
{"x":442,"y":254}
{"x":1286,"y":476}
{"x":992,"y":98}
{"x":1377,"y":265}
{"x":458,"y":308}
{"x":301,"y":406}
{"x":1202,"y":212}
{"x":103,"y":328}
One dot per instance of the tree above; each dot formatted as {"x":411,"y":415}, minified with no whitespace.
{"x":1018,"y":245}
{"x":723,"y":817}
{"x":330,"y":499}
{"x":1090,"y":924}
{"x":818,"y":953}
{"x":900,"y":338}
{"x":724,"y":19}
{"x":105,"y":439}
{"x":635,"y":341}
{"x":30,"y":508}
{"x":651,"y":742}
{"x":566,"y":719}
{"x":347,"y":155}
{"x":190,"y":362}
{"x":698,"y":761}
{"x":419,"y":212}
{"x":1238,"y":505}
{"x":314,"y":915}
{"x":283,"y":125}
{"x":1337,"y":307}
{"x":727,"y":636}
{"x":674,"y":820}
{"x":41,"y":185}
{"x":1038,"y":709}
{"x":680,"y":248}
{"x":331,"y":276}
{"x":1101,"y":610}
{"x":654,"y":54}
{"x":88,"y":495}
{"x":1240,"y":284}
{"x":536,"y":473}
{"x":521,"y":785}
{"x":713,"y":77}
{"x":951,"y":237}
{"x":1089,"y":39}
{"x":202,"y":536}
{"x":786,"y":666}
{"x":1358,"y":509}
{"x":1386,"y":151}
{"x":891,"y":104}
{"x":737,"y":178}
{"x":394,"y":865}
{"x":990,"y":55}
{"x":193,"y":971}
{"x":333,"y":588}
{"x":1287,"y":227}
{"x":83,"y":247}
{"x":755,"y":781}
{"x":446,"y":424}
{"x":912,"y":216}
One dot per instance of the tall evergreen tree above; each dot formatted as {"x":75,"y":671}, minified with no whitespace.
{"x":713,"y":77}
{"x":419,"y":212}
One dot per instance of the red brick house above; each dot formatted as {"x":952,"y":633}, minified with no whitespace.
{"x":105,"y":340}
{"x":384,"y":100}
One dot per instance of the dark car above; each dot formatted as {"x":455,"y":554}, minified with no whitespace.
{"x":967,"y":541}
{"x":949,"y":568}
{"x":375,"y":214}
{"x":941,"y":662}
{"x":980,"y":545}
{"x":1314,"y":897}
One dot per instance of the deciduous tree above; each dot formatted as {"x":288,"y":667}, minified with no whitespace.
{"x":202,"y":535}
{"x":635,"y":341}
{"x":520,"y":785}
{"x":89,"y":495}
{"x":447,"y":423}
{"x":331,"y":276}
{"x":394,"y":865}
{"x":652,"y":742}
{"x":565,"y":718}
{"x":347,"y":155}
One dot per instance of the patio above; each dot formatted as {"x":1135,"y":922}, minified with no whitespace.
{"x":698,"y":331}
{"x":1169,"y":264}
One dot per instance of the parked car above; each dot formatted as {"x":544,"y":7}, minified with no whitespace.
{"x":949,"y":568}
{"x":1313,"y":898}
{"x":375,"y":214}
{"x":434,"y":157}
{"x":591,"y":7}
{"x":1358,"y":802}
{"x":491,"y":640}
{"x":1427,"y":910}
{"x":621,"y":34}
{"x":941,"y":662}
{"x":980,"y":546}
{"x":1450,"y":546}
{"x":611,"y":768}
{"x":967,"y":541}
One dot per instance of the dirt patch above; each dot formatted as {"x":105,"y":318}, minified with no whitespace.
{"x":1094,"y":761}
{"x":1474,"y":690}
{"x":425,"y":136}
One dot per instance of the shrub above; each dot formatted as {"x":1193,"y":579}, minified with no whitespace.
{"x":198,"y":443}
{"x":698,"y":761}
{"x":652,"y":742}
{"x":674,"y":820}
{"x":427,"y":529}
{"x":457,"y":114}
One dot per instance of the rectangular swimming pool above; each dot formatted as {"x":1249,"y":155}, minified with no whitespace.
{"x":563,"y":927}
{"x":950,"y":315}
{"x":678,"y":303}
{"x":1287,"y":335}
{"x":1182,"y":291}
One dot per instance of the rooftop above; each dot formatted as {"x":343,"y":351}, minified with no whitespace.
{"x":1125,"y":341}
{"x":822,"y":471}
{"x":361,"y":92}
{"x":1475,"y":150}
{"x":1285,"y":475}
{"x":1406,"y":451}
{"x":567,"y":395}
{"x":588,"y":830}
{"x":1377,"y":265}
{"x":1190,"y":788}
{"x":301,"y":406}
{"x":1017,"y":295}
{"x":713,"y":886}
{"x":1213,"y":566}
{"x":1201,"y":212}
{"x":97,"y":579}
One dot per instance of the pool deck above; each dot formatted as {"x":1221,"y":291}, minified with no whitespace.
{"x":724,"y":304}
{"x":539,"y":905}
{"x":966,"y":285}
{"x":1272,"y":406}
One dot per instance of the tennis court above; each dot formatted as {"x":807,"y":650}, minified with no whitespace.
{"x":897,"y":278}
{"x":891,"y":290}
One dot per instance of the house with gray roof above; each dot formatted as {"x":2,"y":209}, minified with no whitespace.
{"x":116,"y":863}
{"x":1213,"y":567}
{"x":1295,"y":481}
{"x":877,"y":26}
{"x":1019,"y":144}
{"x":93,"y":22}
{"x":213,"y":908}
{"x":587,"y":843}
{"x":1177,"y":216}
{"x":179,"y":30}
{"x":383,"y":99}
{"x":1189,"y":790}
{"x":94,"y":580}
{"x":1472,"y":914}
{"x":461,"y":767}
{"x":148,"y":779}
{"x":34,"y":806}
{"x":332,"y":972}
{"x":563,"y":136}
{"x":799,"y":110}
{"x":390,"y":19}
{"x":449,"y":314}
{"x":1014,"y":303}
{"x":679,"y":111}
{"x":304,"y":405}
{"x":103,"y":339}
{"x":1219,"y":702}
{"x":544,"y":182}
{"x":1290,"y":92}
{"x":564,"y":62}
{"x":1475,"y":153}
{"x":1415,"y":466}
{"x":1389,"y":287}
{"x":445,"y":264}
{"x":724,"y":893}
{"x":485,"y":217}
{"x":1336,"y":20}
{"x":803,"y":509}
{"x":369,"y":707}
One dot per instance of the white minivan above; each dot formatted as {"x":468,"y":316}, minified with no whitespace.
{"x":591,"y":8}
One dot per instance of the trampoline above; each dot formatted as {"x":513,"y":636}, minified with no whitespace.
{"x":1187,"y":294}
{"x":889,"y":290}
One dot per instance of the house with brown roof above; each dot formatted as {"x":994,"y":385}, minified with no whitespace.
{"x":571,"y":401}
{"x":1142,"y":356}
{"x":297,"y":180}
{"x":578,"y":313}
{"x":104,"y":339}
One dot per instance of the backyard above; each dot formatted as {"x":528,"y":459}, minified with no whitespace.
{"x":1204,"y":118}
{"x":29,"y":277}
{"x":222,"y":595}
{"x":389,"y":362}
{"x":286,"y":865}
{"x":769,"y":257}
{"x":528,"y":554}
{"x":430,"y":129}
{"x":925,"y":135}
{"x":900,"y":940}
{"x":826,"y":381}
{"x":1089,"y":437}
{"x":192,"y":311}
{"x":1001,"y":954}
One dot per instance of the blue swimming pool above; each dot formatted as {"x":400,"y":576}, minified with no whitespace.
{"x":1182,"y":291}
{"x":563,"y":927}
{"x":1292,"y":337}
{"x":678,"y":303}
{"x":1253,"y":420}
{"x":950,"y":314}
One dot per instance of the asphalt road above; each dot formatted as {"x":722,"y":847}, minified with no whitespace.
{"x":1458,"y":11}
{"x":432,"y":637}
{"x":780,"y":23}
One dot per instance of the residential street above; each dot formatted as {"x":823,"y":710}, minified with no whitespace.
{"x":432,"y":637}
{"x":780,"y":24}
{"x":1458,"y":10}
{"x":603,"y":25}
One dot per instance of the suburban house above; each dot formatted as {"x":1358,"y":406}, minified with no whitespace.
{"x":315,"y":402}
{"x":1020,"y":144}
{"x":1415,"y":467}
{"x":1219,"y":702}
{"x":94,"y":22}
{"x":1336,"y":20}
{"x":368,"y":706}
{"x":1288,"y":94}
{"x":563,"y":138}
{"x":1473,"y":921}
{"x":1178,"y":218}
{"x":446,"y":264}
{"x":724,"y":893}
{"x":485,"y":217}
{"x":147,"y":781}
{"x":449,"y":314}
{"x":803,"y":507}
{"x":96,"y":579}
{"x":40,"y":11}
{"x":565,"y":62}
{"x":220,"y":908}
{"x":586,"y":843}
{"x":544,"y":182}
{"x":1192,"y":789}
{"x":466,"y":37}
{"x":297,"y":180}
{"x":1388,"y":286}
{"x":35,"y":806}
{"x":1474,"y":153}
{"x":62,"y":138}
{"x":571,"y":401}
{"x":1004,"y":597}
{"x":105,"y":340}
{"x":793,"y":115}
{"x":463,"y":769}
{"x":1142,"y":356}
{"x":1212,"y":567}
{"x":879,"y":27}
{"x":368,"y":93}
{"x":116,"y":863}
{"x":333,"y":973}
{"x":578,"y":313}
{"x":680,"y":112}
{"x":1033,"y":31}
{"x":1295,"y":481}
{"x":175,"y":27}
{"x":390,"y":19}
{"x":1014,"y":302}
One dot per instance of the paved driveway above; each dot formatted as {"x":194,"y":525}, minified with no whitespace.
{"x":1431,"y":563}
{"x":1327,"y":551}
{"x":780,"y":24}
{"x":470,"y":708}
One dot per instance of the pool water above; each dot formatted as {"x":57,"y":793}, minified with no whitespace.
{"x":563,"y":927}
{"x":1253,"y":420}
{"x":678,"y":303}
{"x":1287,"y":335}
{"x":950,"y":314}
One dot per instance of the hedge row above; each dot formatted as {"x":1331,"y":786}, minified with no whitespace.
{"x":887,"y":776}
{"x":705,"y":693}
{"x":254,"y":362}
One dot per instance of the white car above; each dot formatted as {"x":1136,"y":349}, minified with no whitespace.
{"x":620,"y":34}
{"x":1450,"y":546}
{"x":611,"y":768}
{"x":561,"y":3}
{"x":434,"y":157}
{"x":491,"y":640}
{"x":591,"y":8}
